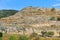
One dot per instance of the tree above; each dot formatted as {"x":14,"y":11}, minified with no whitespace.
{"x":1,"y":35}
{"x":53,"y":9}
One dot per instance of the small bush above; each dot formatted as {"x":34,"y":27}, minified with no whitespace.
{"x":0,"y":38}
{"x":44,"y":33}
{"x":52,"y":18}
{"x":50,"y":34}
{"x":47,"y":34}
{"x":12,"y":38}
{"x":58,"y":19}
{"x":24,"y":37}
{"x":1,"y":34}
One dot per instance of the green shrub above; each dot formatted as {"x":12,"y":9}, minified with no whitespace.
{"x":6,"y":13}
{"x":52,"y":18}
{"x":50,"y":34}
{"x":47,"y":34}
{"x":1,"y":34}
{"x":24,"y":37}
{"x":44,"y":33}
{"x":58,"y":19}
{"x":12,"y":38}
{"x":0,"y":38}
{"x":53,"y":9}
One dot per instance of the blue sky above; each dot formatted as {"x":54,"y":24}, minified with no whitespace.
{"x":19,"y":4}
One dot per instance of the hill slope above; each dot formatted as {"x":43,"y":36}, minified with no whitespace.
{"x":33,"y":17}
{"x":6,"y":13}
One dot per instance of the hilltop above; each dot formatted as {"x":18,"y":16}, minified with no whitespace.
{"x":33,"y":14}
{"x":41,"y":18}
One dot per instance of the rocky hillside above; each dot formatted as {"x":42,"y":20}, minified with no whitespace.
{"x":33,"y":15}
{"x":45,"y":18}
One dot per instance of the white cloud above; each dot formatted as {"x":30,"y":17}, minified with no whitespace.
{"x":54,"y":5}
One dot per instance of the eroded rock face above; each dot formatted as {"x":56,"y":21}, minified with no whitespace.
{"x":32,"y":17}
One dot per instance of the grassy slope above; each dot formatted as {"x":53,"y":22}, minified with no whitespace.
{"x":6,"y":13}
{"x":6,"y":37}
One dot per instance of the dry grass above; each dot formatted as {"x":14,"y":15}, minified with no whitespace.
{"x":6,"y":37}
{"x":49,"y":38}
